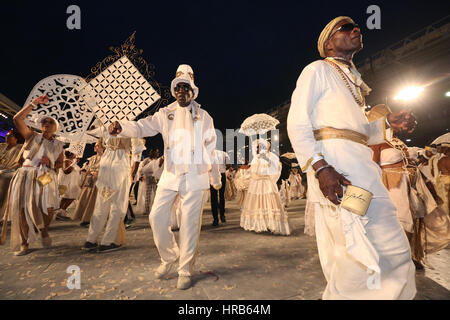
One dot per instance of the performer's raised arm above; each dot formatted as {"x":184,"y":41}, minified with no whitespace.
{"x":19,"y":118}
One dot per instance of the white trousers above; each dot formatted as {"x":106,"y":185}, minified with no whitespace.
{"x":190,"y":225}
{"x":109,"y":212}
{"x":346,"y":277}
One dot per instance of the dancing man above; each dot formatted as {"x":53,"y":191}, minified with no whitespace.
{"x":330,"y":133}
{"x":189,"y":144}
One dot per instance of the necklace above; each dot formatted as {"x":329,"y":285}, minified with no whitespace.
{"x":359,"y":100}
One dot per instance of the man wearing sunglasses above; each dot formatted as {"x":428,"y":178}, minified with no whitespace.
{"x":362,"y":257}
{"x":189,"y":144}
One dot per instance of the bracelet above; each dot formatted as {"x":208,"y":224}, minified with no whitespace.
{"x":33,"y":105}
{"x":320,"y":169}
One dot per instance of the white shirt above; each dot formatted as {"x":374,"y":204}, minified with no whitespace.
{"x":164,"y":121}
{"x":322,"y":99}
{"x":222,"y":159}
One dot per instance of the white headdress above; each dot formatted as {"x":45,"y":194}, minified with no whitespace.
{"x":184,"y":74}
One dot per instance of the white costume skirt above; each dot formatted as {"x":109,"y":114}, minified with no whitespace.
{"x":262,"y":209}
{"x":346,"y":277}
{"x":400,"y":198}
{"x":25,"y":193}
{"x":72,"y":183}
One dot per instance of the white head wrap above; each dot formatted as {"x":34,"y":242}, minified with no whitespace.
{"x":38,"y":118}
{"x":184,"y":74}
{"x":326,"y":32}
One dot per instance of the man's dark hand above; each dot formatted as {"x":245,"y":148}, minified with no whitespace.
{"x":115,"y":128}
{"x":331,"y":182}
{"x":403,"y":121}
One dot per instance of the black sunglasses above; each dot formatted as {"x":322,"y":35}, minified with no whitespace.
{"x":347,"y":27}
{"x":182,"y":87}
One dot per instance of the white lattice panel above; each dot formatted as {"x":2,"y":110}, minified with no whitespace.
{"x":66,"y":104}
{"x":120,"y":92}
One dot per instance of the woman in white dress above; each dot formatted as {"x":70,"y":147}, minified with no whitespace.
{"x":296,"y":188}
{"x":230,"y":188}
{"x":399,"y":177}
{"x":262,"y":209}
{"x":241,"y":181}
{"x":149,"y":174}
{"x":293,"y":186}
{"x":9,"y":163}
{"x":33,"y":192}
{"x":88,"y":196}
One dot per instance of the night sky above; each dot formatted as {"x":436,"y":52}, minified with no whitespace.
{"x":246,"y":55}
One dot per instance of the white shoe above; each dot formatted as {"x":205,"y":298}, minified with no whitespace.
{"x":163,"y":270}
{"x":184,"y":282}
{"x":23,"y":251}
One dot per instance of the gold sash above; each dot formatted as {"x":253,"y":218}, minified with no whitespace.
{"x":332,"y":133}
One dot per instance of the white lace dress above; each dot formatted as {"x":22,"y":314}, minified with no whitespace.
{"x":262,"y":209}
{"x":70,"y":181}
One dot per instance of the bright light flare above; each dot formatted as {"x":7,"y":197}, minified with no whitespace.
{"x":447,"y":94}
{"x":409,"y":93}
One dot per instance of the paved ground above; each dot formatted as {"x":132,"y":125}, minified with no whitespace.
{"x":232,"y":264}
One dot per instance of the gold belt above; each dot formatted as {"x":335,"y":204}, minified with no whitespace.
{"x":332,"y":133}
{"x":114,"y":148}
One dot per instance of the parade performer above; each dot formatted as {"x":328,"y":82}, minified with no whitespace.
{"x":148,"y":171}
{"x":362,"y":257}
{"x":9,"y":163}
{"x":262,"y":209}
{"x":440,"y":170}
{"x":33,"y":192}
{"x":113,"y":184}
{"x":68,"y":183}
{"x":230,"y":191}
{"x":218,"y":203}
{"x":241,"y":181}
{"x":189,"y":144}
{"x":88,"y":197}
{"x":399,"y":176}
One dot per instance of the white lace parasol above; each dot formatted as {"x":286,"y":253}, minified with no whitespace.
{"x":258,"y":124}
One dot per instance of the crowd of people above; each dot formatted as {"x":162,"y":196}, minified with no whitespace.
{"x":336,"y":144}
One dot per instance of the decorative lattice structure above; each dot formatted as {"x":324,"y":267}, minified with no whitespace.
{"x":66,"y":104}
{"x":77,"y":149}
{"x":120,"y":92}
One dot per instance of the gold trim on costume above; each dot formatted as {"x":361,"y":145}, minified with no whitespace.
{"x":332,"y":133}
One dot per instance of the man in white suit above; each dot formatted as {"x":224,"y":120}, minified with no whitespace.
{"x":189,"y":144}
